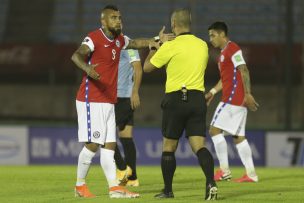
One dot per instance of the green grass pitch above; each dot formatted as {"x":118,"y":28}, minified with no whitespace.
{"x":56,"y":183}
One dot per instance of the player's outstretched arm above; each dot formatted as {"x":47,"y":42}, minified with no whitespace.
{"x":249,"y":100}
{"x":209,"y":96}
{"x":79,"y":57}
{"x":144,"y":43}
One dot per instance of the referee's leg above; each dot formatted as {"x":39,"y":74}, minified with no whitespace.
{"x":206,"y":162}
{"x":168,"y":166}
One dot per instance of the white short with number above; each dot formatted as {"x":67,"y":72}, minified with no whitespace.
{"x":230,"y":118}
{"x":97,"y":123}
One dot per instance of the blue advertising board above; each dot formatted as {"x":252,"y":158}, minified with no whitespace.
{"x":60,"y":146}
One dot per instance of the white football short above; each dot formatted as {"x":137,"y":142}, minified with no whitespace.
{"x":96,"y":122}
{"x":230,"y":118}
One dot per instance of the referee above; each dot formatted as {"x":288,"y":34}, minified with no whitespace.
{"x":184,"y":105}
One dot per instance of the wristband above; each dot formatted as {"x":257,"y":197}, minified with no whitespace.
{"x":213,"y":91}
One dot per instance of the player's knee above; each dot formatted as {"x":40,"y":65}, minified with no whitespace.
{"x":169,"y":148}
{"x":169,"y":145}
{"x":196,"y":148}
{"x":126,"y":132}
{"x":214,"y":131}
{"x":125,"y":135}
{"x":196,"y":143}
{"x":109,"y":145}
{"x":238,"y":139}
{"x":92,"y":146}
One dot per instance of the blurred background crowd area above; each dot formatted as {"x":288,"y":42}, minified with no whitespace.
{"x":38,"y":81}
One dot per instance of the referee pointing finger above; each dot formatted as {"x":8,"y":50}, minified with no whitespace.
{"x":184,"y":105}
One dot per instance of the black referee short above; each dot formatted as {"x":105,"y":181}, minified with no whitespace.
{"x":123,"y":113}
{"x":179,"y":115}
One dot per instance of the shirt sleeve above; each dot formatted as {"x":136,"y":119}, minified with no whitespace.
{"x":162,"y":56}
{"x":238,"y":59}
{"x":127,"y":40}
{"x":89,"y":42}
{"x":133,"y":55}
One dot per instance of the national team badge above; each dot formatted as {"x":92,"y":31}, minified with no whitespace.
{"x":96,"y":134}
{"x":117,"y":43}
{"x":238,"y":58}
{"x":222,"y":58}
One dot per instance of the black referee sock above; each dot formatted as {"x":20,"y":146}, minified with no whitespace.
{"x":120,"y":162}
{"x":130,"y":155}
{"x":206,"y":162}
{"x":168,"y":166}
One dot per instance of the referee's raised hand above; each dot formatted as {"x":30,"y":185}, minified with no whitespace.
{"x":165,"y":36}
{"x":92,"y":72}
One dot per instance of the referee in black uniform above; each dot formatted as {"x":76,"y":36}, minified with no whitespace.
{"x":184,"y":105}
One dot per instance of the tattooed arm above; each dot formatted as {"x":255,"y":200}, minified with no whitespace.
{"x":79,"y":57}
{"x":249,"y":99}
{"x":245,"y":78}
{"x":144,"y":42}
{"x":139,"y":43}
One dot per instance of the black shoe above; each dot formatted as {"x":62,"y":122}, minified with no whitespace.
{"x":211,"y":191}
{"x":164,"y":194}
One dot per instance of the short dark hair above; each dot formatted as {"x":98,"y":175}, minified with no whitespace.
{"x":219,"y":26}
{"x":182,"y":17}
{"x":110,"y":7}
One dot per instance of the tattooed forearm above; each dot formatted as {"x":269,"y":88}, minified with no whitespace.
{"x":246,"y":78}
{"x":79,"y":57}
{"x":139,"y":43}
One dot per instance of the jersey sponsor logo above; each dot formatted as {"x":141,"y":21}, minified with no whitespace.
{"x":96,"y":134}
{"x":222,"y":58}
{"x":117,"y":43}
{"x":238,"y":58}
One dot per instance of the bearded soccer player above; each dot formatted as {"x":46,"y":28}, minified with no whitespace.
{"x":98,"y":56}
{"x":231,"y":113}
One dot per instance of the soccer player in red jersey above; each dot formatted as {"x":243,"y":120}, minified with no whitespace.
{"x":230,"y":115}
{"x":98,"y":56}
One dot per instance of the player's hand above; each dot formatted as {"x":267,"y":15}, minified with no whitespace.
{"x":165,"y":36}
{"x":135,"y":100}
{"x":92,"y":72}
{"x":250,"y":102}
{"x":209,"y":96}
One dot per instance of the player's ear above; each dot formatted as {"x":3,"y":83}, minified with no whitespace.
{"x":172,"y":25}
{"x":103,"y":22}
{"x":222,"y":34}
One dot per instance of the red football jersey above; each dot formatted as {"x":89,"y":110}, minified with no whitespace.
{"x":104,"y":52}
{"x":230,"y":58}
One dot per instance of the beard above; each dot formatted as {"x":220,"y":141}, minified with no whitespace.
{"x":115,"y":31}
